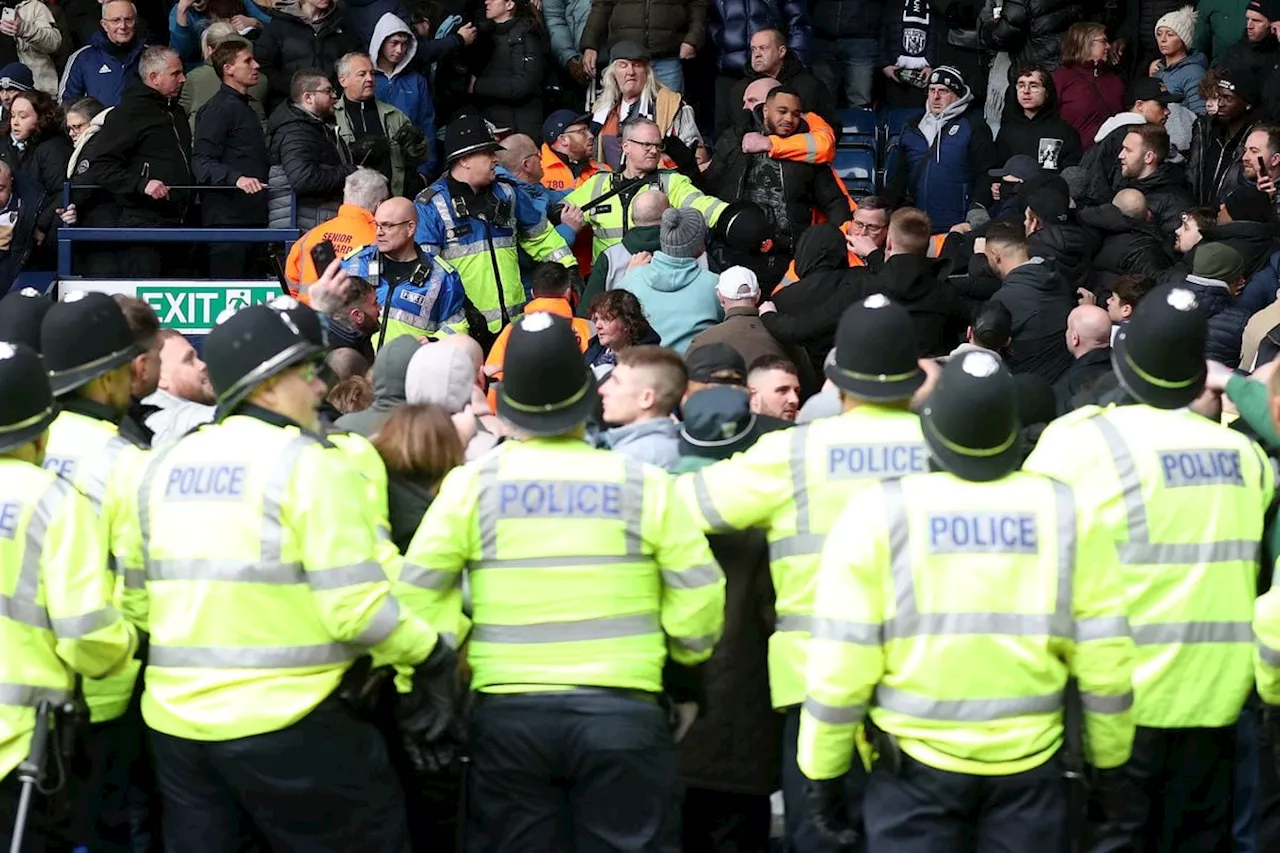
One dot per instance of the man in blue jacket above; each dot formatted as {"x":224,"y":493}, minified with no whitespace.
{"x":110,"y":59}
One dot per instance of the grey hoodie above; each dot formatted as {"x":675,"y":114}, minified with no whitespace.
{"x":389,"y":370}
{"x":655,"y":442}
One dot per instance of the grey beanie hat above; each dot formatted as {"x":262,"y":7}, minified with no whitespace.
{"x":1077,"y":181}
{"x":683,"y":234}
{"x":440,"y":374}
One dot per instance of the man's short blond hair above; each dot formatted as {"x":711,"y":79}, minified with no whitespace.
{"x":910,"y":230}
{"x":664,"y":370}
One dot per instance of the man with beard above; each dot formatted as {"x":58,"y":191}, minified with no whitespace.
{"x":1257,"y":53}
{"x":355,"y":322}
{"x":184,"y":397}
{"x":307,"y":154}
{"x":1149,"y":104}
{"x":380,"y":136}
{"x":1143,"y":167}
{"x":774,"y":384}
{"x":1031,"y":124}
{"x":788,"y":191}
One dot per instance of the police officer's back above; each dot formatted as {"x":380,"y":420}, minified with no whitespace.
{"x":587,"y":577}
{"x":1184,"y":500}
{"x":951,"y":609}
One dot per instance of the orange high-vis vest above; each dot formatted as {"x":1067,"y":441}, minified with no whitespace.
{"x":854,"y":260}
{"x":556,"y":175}
{"x":351,"y":229}
{"x":581,"y":328}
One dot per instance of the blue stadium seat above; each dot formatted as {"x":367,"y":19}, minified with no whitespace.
{"x":895,"y":119}
{"x":857,"y":168}
{"x":858,"y":128}
{"x":892,"y":156}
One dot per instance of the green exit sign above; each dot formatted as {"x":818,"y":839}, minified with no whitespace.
{"x":195,"y":308}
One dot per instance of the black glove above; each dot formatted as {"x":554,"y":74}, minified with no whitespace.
{"x":427,"y":716}
{"x":370,"y":149}
{"x":415,"y":146}
{"x":828,"y":811}
{"x":683,"y":156}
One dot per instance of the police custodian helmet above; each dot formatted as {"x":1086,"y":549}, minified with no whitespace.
{"x":875,"y":357}
{"x":547,"y":388}
{"x":250,"y":347}
{"x":26,"y":399}
{"x":971,"y":419}
{"x":83,"y":337}
{"x":1159,"y":354}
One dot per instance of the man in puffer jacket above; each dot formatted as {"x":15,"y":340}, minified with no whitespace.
{"x":1031,"y":31}
{"x":667,"y":30}
{"x":1054,"y":232}
{"x":309,"y":35}
{"x":307,"y":154}
{"x":1216,"y":277}
{"x":1131,"y":244}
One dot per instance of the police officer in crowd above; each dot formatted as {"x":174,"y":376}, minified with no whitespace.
{"x":592,"y":591}
{"x":795,"y":482}
{"x":56,"y":617}
{"x":89,"y":350}
{"x":1183,"y":499}
{"x":960,"y":683}
{"x":261,"y":588}
{"x":21,"y":313}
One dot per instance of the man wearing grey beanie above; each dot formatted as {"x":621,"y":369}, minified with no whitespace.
{"x":677,"y":295}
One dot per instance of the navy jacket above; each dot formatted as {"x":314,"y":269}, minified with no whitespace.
{"x":945,"y":179}
{"x":733,"y":22}
{"x":228,"y":145}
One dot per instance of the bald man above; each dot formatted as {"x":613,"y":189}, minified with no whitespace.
{"x":1089,"y":342}
{"x":757,"y":91}
{"x":1131,"y":242}
{"x":637,"y":247}
{"x":519,"y":156}
{"x":520,"y":162}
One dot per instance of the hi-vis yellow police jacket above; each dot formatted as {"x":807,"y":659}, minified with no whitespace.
{"x":262,"y":580}
{"x":1184,"y":500}
{"x":952,"y":613}
{"x":585,"y":570}
{"x":56,"y":617}
{"x":89,"y":453}
{"x":794,"y":483}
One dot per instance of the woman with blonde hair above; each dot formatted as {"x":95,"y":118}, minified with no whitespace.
{"x":1089,"y":89}
{"x":419,"y":445}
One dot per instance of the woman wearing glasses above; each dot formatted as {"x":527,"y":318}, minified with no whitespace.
{"x":1088,"y":86}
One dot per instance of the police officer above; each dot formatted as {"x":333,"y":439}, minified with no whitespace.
{"x":261,"y":588}
{"x":475,"y":221}
{"x":56,"y":618}
{"x":795,"y":482}
{"x":1183,"y":498}
{"x":610,"y":219}
{"x":21,"y":312}
{"x":586,"y":577}
{"x":951,"y":608}
{"x":89,"y":349}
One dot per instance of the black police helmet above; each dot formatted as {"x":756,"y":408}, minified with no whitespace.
{"x":875,"y":356}
{"x":547,"y":388}
{"x":26,"y":398}
{"x":21,"y":313}
{"x":468,"y":134}
{"x":83,"y":337}
{"x":1158,"y":355}
{"x":251,"y":346}
{"x":971,"y":419}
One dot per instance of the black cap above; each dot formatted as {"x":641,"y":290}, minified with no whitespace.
{"x":971,"y":419}
{"x":83,"y":337}
{"x":1021,"y":166}
{"x":1048,"y":205}
{"x":718,"y":422}
{"x":631,"y":50}
{"x":1159,"y":354}
{"x":1152,"y":89}
{"x":875,"y":358}
{"x":468,"y":134}
{"x":547,"y":389}
{"x":1241,"y":82}
{"x":706,"y":361}
{"x":561,"y":120}
{"x":26,"y":398}
{"x":21,"y":313}
{"x":250,"y":347}
{"x":1269,"y":9}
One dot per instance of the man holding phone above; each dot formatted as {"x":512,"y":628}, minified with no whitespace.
{"x":1260,"y":161}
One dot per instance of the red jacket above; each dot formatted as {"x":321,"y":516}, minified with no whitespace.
{"x":1088,"y":95}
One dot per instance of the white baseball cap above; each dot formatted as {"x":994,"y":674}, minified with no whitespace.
{"x":738,"y":283}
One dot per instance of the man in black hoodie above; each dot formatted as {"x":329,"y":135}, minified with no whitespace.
{"x":1217,"y":141}
{"x":1037,"y":299}
{"x":1130,"y":243}
{"x":1054,"y":232}
{"x":1031,"y":124}
{"x":1258,"y":51}
{"x":143,"y":149}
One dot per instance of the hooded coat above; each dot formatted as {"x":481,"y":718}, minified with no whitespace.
{"x":1166,"y":192}
{"x":814,"y":98}
{"x":678,"y":298}
{"x":1041,"y":136}
{"x":290,"y":43}
{"x":403,"y":87}
{"x":944,"y":172}
{"x":1070,"y":245}
{"x":1213,"y":166}
{"x":1031,"y":30}
{"x":1089,"y":94}
{"x":919,"y":284}
{"x":510,"y":64}
{"x":389,"y":371}
{"x":1129,"y":247}
{"x":1039,"y":302}
{"x":1224,"y":329}
{"x":1183,"y":79}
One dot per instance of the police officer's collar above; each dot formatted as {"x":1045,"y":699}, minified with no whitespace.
{"x":462,"y":189}
{"x":252,"y":410}
{"x":90,"y":409}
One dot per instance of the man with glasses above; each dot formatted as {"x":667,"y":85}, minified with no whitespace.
{"x":307,"y":154}
{"x":567,"y":165}
{"x":1034,"y":127}
{"x":426,"y":292}
{"x":110,"y":59}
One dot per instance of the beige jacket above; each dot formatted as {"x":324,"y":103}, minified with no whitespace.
{"x":38,"y":41}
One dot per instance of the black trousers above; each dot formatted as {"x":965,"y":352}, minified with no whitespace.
{"x":45,"y":828}
{"x":921,"y":809}
{"x":322,"y":785}
{"x":724,"y":822}
{"x":1185,"y":778}
{"x":569,"y":772}
{"x":112,"y":788}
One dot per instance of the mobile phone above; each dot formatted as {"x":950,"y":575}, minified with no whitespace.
{"x":322,"y":254}
{"x":1262,"y":168}
{"x":8,"y":14}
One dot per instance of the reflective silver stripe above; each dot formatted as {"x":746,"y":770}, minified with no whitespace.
{"x":536,"y":230}
{"x":842,"y":631}
{"x":604,"y":628}
{"x":487,"y":509}
{"x":453,"y":251}
{"x":224,"y":570}
{"x":800,"y":545}
{"x":1182,"y":553}
{"x":369,"y":571}
{"x":702,"y":643}
{"x":28,"y":586}
{"x":494,"y":315}
{"x":904,"y":592}
{"x":144,"y":503}
{"x":633,"y":505}
{"x":386,"y":620}
{"x":94,"y":486}
{"x":424,"y":578}
{"x":1269,"y":655}
{"x":810,"y":148}
{"x":70,"y":627}
{"x":421,"y":321}
{"x":1065,"y":515}
{"x":965,"y":710}
{"x":558,"y":562}
{"x":714,"y":210}
{"x":794,"y":622}
{"x":905,"y":626}
{"x":693,"y":578}
{"x":274,"y":491}
{"x":558,"y":254}
{"x":26,"y":612}
{"x":27,"y":696}
{"x":1130,"y":483}
{"x":715,"y":521}
{"x":1102,"y":628}
{"x":250,"y":657}
{"x":135,"y":579}
{"x":1164,"y":633}
{"x":450,"y":638}
{"x":799,"y":479}
{"x":1095,"y":703}
{"x":608,"y":233}
{"x":835,"y":715}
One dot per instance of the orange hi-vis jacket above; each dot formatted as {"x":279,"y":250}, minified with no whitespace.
{"x":351,"y":229}
{"x":561,"y":307}
{"x":557,"y":176}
